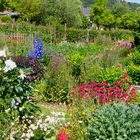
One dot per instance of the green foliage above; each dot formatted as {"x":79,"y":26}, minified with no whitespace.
{"x":74,"y":35}
{"x":78,"y":117}
{"x":15,"y":91}
{"x":134,"y":73}
{"x":4,"y":4}
{"x":75,"y":59}
{"x":5,"y":122}
{"x":5,"y":18}
{"x":93,"y":71}
{"x":136,"y":35}
{"x":129,"y":20}
{"x":117,"y":121}
{"x":119,"y":9}
{"x":55,"y":33}
{"x":110,"y":75}
{"x":28,"y":9}
{"x":101,"y":16}
{"x":135,"y":57}
{"x":56,"y":83}
{"x":85,"y":22}
{"x":64,"y":11}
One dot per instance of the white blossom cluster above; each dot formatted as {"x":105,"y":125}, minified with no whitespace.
{"x":10,"y":65}
{"x":42,"y":123}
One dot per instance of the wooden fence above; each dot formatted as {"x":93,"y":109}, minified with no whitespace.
{"x":16,"y":42}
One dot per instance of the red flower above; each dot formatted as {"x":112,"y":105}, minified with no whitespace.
{"x":62,"y":135}
{"x":102,"y":98}
{"x":72,"y":93}
{"x":74,"y":86}
{"x":117,"y":83}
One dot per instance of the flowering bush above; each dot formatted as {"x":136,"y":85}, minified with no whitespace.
{"x":15,"y":91}
{"x":103,"y":93}
{"x":39,"y":127}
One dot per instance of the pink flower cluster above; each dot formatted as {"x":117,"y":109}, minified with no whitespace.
{"x":103,"y":93}
{"x":63,"y":134}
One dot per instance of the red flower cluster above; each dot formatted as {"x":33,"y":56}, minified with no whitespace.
{"x":62,"y":134}
{"x":103,"y":93}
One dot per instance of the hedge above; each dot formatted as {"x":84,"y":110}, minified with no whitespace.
{"x":57,"y":33}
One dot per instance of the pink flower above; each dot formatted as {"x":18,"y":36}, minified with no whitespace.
{"x":111,"y":97}
{"x":62,"y":135}
{"x":125,"y":97}
{"x":117,"y":83}
{"x":102,"y":98}
{"x":105,"y":84}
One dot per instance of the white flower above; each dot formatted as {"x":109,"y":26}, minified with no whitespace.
{"x":9,"y":65}
{"x":7,"y":110}
{"x":52,"y":120}
{"x":21,"y":108}
{"x":22,"y":75}
{"x":23,"y":135}
{"x":33,"y":127}
{"x":31,"y":117}
{"x":17,"y":103}
{"x":12,"y":124}
{"x":45,"y":129}
{"x":15,"y":107}
{"x":2,"y":53}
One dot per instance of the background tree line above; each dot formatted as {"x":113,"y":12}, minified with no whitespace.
{"x":106,"y":14}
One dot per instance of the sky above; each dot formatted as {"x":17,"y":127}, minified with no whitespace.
{"x":136,"y":1}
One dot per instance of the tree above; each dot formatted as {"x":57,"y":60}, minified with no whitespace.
{"x":138,"y":10}
{"x":63,"y":11}
{"x":100,"y":15}
{"x":129,"y":21}
{"x":120,"y":8}
{"x":27,"y":8}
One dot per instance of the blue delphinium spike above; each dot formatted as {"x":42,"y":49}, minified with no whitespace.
{"x":31,"y":54}
{"x":38,"y":49}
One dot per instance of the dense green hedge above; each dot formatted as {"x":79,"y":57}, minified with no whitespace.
{"x":57,"y":33}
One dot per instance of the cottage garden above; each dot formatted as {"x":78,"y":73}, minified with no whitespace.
{"x":61,"y":83}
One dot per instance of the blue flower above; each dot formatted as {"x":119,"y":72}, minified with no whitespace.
{"x":38,"y":49}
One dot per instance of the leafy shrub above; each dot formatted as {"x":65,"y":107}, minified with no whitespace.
{"x":57,"y":80}
{"x":15,"y":91}
{"x":134,"y":73}
{"x":75,"y":35}
{"x":118,"y":34}
{"x":117,"y":121}
{"x":6,"y":18}
{"x":136,"y":38}
{"x":75,"y":59}
{"x":135,"y":57}
{"x":111,"y":74}
{"x":93,"y":71}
